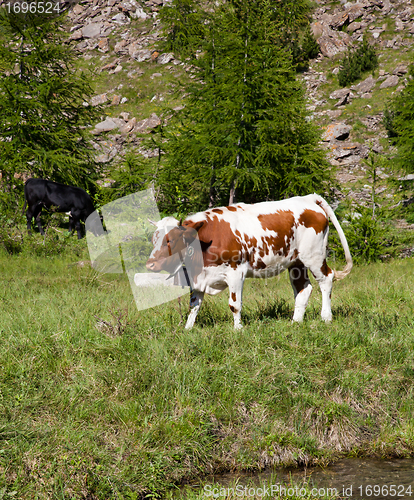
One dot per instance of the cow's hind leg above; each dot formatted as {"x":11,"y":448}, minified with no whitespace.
{"x":302,"y":288}
{"x":324,"y":276}
{"x":34,"y":212}
{"x":196,"y":299}
{"x":29,"y":217}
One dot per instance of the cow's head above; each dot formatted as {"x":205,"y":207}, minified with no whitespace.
{"x":170,"y":245}
{"x":93,"y":223}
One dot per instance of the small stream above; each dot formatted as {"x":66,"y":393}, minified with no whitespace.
{"x":351,"y":478}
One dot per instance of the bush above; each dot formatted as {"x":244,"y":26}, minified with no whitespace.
{"x":388,"y":122}
{"x":310,"y":46}
{"x":369,"y":239}
{"x":15,"y":240}
{"x":355,"y":62}
{"x":134,"y":174}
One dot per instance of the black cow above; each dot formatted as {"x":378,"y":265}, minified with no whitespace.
{"x":40,"y":193}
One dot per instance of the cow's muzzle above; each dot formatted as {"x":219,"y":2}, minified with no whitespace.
{"x":154,"y":265}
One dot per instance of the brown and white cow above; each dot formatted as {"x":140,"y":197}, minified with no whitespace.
{"x":252,"y":241}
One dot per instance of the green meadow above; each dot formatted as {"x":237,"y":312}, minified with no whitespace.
{"x":101,"y":401}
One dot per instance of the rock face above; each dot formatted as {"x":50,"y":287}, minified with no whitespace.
{"x":105,"y":126}
{"x":338,"y":131}
{"x":146,"y":125}
{"x":391,"y":81}
{"x":365,"y":86}
{"x":91,"y":30}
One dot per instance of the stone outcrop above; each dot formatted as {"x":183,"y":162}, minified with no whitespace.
{"x":338,"y":131}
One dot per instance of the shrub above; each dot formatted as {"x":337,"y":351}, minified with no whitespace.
{"x":388,"y":121}
{"x":356,"y":61}
{"x":369,"y":239}
{"x":310,"y":47}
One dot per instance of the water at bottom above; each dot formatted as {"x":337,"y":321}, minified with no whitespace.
{"x":347,"y":478}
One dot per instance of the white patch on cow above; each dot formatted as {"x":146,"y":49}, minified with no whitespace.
{"x":163,"y":227}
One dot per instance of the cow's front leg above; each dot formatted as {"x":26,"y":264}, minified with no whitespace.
{"x":196,"y":299}
{"x":71,"y":224}
{"x":39,"y":224}
{"x":236,"y":282}
{"x":78,"y":228}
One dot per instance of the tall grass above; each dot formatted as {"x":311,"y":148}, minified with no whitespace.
{"x":100,"y":401}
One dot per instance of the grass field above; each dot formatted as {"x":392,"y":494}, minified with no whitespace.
{"x":100,"y":401}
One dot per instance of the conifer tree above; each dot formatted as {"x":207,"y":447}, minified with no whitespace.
{"x":43,"y":116}
{"x":399,"y":121}
{"x":244,"y":133}
{"x":185,"y":28}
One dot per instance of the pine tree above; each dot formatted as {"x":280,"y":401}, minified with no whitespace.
{"x":399,"y":121}
{"x":184,"y":23}
{"x":244,"y":133}
{"x":43,"y":116}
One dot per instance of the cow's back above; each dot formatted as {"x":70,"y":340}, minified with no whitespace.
{"x":265,"y":238}
{"x":65,"y":198}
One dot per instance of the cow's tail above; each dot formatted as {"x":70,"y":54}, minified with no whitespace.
{"x":338,"y":275}
{"x":25,"y":199}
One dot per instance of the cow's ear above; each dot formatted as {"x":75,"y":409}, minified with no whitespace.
{"x":191,"y":230}
{"x":195,"y":225}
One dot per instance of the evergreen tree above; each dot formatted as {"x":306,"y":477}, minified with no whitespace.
{"x":43,"y":118}
{"x":187,"y":25}
{"x":244,"y":128}
{"x":356,"y":61}
{"x":184,"y":23}
{"x":399,"y":121}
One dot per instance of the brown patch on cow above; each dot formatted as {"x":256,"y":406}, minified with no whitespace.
{"x":233,"y":309}
{"x":219,"y":244}
{"x":310,"y":218}
{"x":325,"y":269}
{"x":232,"y":209}
{"x":282,"y":223}
{"x":295,"y":254}
{"x":233,"y":296}
{"x":252,"y":252}
{"x":217,"y":210}
{"x":238,"y":233}
{"x":298,"y":276}
{"x":251,"y":241}
{"x":241,"y":208}
{"x":259,"y":264}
